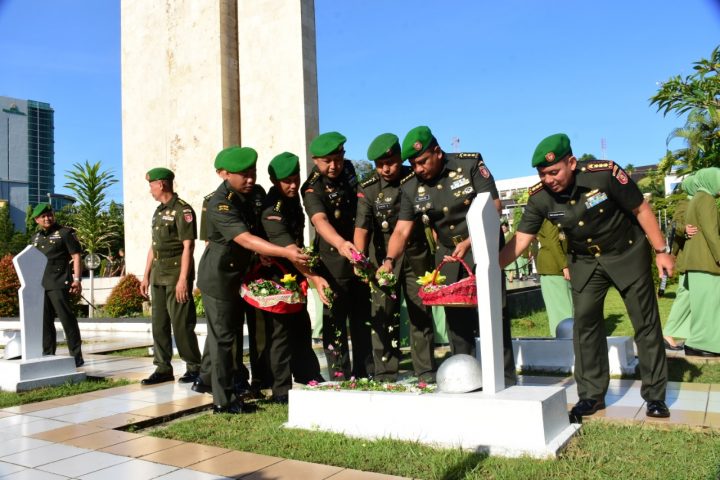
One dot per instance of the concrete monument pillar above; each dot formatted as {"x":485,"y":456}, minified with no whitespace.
{"x":198,"y":76}
{"x":30,"y":265}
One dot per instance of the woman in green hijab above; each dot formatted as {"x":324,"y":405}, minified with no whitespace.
{"x":678,"y":322}
{"x":702,"y":264}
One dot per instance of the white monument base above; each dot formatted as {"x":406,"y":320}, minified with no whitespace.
{"x":10,"y":333}
{"x":517,"y":421}
{"x":556,"y":355}
{"x":22,"y":375}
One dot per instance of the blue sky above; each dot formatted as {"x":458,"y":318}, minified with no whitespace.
{"x":500,"y":76}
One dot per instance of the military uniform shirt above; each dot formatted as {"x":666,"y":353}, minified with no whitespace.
{"x":172,"y":223}
{"x":378,"y":208}
{"x":283,"y":219}
{"x":596,"y":216}
{"x":58,"y":244}
{"x":443,"y":202}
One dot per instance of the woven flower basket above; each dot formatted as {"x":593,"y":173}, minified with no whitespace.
{"x":287,"y":301}
{"x":462,"y":293}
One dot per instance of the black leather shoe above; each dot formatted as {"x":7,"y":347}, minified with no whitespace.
{"x":189,"y":377}
{"x":585,"y":407}
{"x":657,"y":409}
{"x":696,"y":352}
{"x":674,"y":348}
{"x":282,"y":399}
{"x":79,"y":362}
{"x":201,"y":387}
{"x":156,"y":378}
{"x":235,"y":408}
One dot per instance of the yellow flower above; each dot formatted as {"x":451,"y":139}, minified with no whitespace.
{"x":427,"y":279}
{"x":288,"y":278}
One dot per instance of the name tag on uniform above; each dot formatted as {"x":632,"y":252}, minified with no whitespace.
{"x":422,"y":198}
{"x":333,"y":195}
{"x":168,"y":218}
{"x":461,"y":182}
{"x":595,"y":200}
{"x":552,"y":215}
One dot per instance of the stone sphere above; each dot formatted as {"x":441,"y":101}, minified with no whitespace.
{"x":460,"y":373}
{"x":13,"y":348}
{"x":564,"y":329}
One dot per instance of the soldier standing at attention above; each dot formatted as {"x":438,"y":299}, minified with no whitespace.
{"x":606,"y":221}
{"x":377,"y":214}
{"x":291,"y":353}
{"x":330,"y":198}
{"x":169,"y":272}
{"x":60,"y":245}
{"x":439,"y":194}
{"x":225,"y":262}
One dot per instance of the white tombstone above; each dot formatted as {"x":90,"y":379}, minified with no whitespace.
{"x":34,"y":370}
{"x":30,"y":266}
{"x":484,"y":228}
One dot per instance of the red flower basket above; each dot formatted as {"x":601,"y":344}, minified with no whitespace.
{"x":462,"y":293}
{"x":286,"y":301}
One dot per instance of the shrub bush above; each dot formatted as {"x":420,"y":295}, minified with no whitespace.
{"x":199,"y":306}
{"x":125,"y":299}
{"x":9,"y":285}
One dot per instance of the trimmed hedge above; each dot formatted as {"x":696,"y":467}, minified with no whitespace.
{"x":9,"y":285}
{"x":125,"y":299}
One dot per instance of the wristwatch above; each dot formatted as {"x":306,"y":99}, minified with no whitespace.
{"x":663,"y":250}
{"x":392,"y":260}
{"x":76,"y":279}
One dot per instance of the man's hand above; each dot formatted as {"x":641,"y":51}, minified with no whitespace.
{"x":144,"y":287}
{"x":566,"y":273}
{"x":265,"y":261}
{"x":386,"y":267}
{"x":460,"y":251}
{"x":295,"y":254}
{"x":690,"y":230}
{"x":346,"y":249}
{"x":665,"y":264}
{"x":320,"y":285}
{"x":75,"y":287}
{"x":181,"y":291}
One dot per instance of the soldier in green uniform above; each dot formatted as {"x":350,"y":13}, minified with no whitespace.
{"x":283,"y":219}
{"x":224,"y":263}
{"x":330,"y":198}
{"x":439,"y":192}
{"x":170,"y":272}
{"x":605,"y":219}
{"x":377,"y":214}
{"x":554,"y":275}
{"x":60,"y":245}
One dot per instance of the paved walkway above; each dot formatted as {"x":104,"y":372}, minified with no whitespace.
{"x":83,"y":436}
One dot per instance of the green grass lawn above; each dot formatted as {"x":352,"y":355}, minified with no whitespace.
{"x":601,"y":450}
{"x":10,"y":399}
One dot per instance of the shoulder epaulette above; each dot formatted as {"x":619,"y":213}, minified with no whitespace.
{"x":230,"y":196}
{"x":598,"y":166}
{"x":470,"y":156}
{"x":313,"y":178}
{"x":182,"y":202}
{"x":209,"y":196}
{"x":412,"y":174}
{"x":373,"y":179}
{"x":278,"y":206}
{"x":535,"y":188}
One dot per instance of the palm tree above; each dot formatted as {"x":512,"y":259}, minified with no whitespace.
{"x":701,"y":134}
{"x":95,"y":229}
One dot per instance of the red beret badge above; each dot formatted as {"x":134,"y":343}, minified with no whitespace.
{"x":417,"y":146}
{"x":550,"y":156}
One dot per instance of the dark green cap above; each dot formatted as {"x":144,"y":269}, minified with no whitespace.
{"x":416,"y":142}
{"x":159,"y":173}
{"x":550,"y":150}
{"x":236,"y":159}
{"x":39,"y":209}
{"x":222,"y":152}
{"x":327,"y":143}
{"x":284,"y":165}
{"x":384,"y":145}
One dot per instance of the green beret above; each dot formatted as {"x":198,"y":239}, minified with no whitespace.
{"x":39,"y":209}
{"x":222,"y":152}
{"x":236,"y":159}
{"x":384,"y":145}
{"x":159,"y":173}
{"x":552,"y":149}
{"x":416,"y":142}
{"x":284,"y":165}
{"x":326,"y":144}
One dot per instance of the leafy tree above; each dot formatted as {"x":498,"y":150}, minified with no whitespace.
{"x":115,"y":219}
{"x":630,"y":168}
{"x":11,"y":242}
{"x":653,"y":184}
{"x":587,"y":157}
{"x":9,"y":285}
{"x":363,"y":169}
{"x":701,"y":134}
{"x":95,"y":230}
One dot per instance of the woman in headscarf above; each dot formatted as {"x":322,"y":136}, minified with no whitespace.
{"x":678,"y":322}
{"x":702,"y":264}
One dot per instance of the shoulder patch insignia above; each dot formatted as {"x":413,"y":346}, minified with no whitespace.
{"x":620,"y":175}
{"x":484,"y":171}
{"x":408,"y":177}
{"x":599,"y":166}
{"x":373,"y":179}
{"x":188,"y":216}
{"x":535,"y":188}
